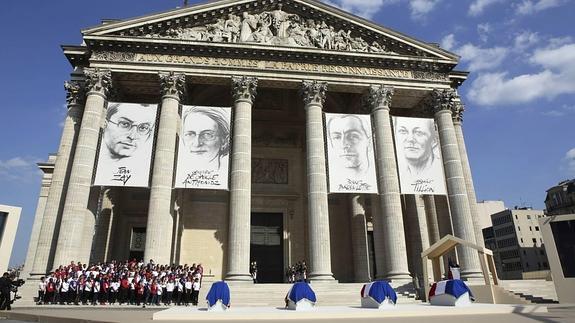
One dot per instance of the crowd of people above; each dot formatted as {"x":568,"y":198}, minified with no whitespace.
{"x":296,"y":272}
{"x":128,"y":282}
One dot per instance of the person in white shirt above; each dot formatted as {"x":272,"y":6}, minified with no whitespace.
{"x":64,"y":286}
{"x":195,"y":291}
{"x":187,"y":291}
{"x":169,"y":291}
{"x":41,"y":290}
{"x":96,"y":293}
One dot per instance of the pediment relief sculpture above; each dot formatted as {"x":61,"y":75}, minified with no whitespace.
{"x":277,"y":28}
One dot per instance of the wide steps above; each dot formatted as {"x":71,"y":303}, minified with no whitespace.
{"x":535,"y":291}
{"x":273,"y":295}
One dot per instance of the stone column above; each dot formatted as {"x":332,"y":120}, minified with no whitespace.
{"x":418,"y":235}
{"x":48,"y":231}
{"x":388,"y":227}
{"x":243,"y":92}
{"x":47,"y":169}
{"x":159,"y":227}
{"x":431,"y":214}
{"x":313,"y":94}
{"x":457,"y":122}
{"x":442,"y":105}
{"x":98,"y":83}
{"x":359,"y":239}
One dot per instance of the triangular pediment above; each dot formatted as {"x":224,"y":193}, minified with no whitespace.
{"x":283,"y":24}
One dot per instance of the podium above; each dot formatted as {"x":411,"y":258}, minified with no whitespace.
{"x":452,"y":292}
{"x":218,"y":297}
{"x":300,"y":297}
{"x":378,"y":294}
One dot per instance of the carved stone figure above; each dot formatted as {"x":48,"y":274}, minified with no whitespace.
{"x":275,"y":27}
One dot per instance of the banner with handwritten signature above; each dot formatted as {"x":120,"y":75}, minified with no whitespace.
{"x":418,"y":156}
{"x":204,"y":148}
{"x":125,"y":150}
{"x":350,"y":153}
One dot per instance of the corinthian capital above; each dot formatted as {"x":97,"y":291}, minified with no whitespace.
{"x":458,"y":110}
{"x":440,"y":100}
{"x":172,"y":84}
{"x":98,"y":80}
{"x":378,"y":97}
{"x":313,"y":92}
{"x":75,"y":93}
{"x":244,"y":88}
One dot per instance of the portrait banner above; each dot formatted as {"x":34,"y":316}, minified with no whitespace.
{"x":350,"y":154}
{"x":204,"y":148}
{"x":125,"y":151}
{"x":418,"y":156}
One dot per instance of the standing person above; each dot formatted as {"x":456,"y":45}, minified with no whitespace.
{"x":188,"y":291}
{"x":5,"y":285}
{"x":88,"y":292}
{"x":195,"y":291}
{"x":114,"y":290}
{"x":73,"y":290}
{"x":96,"y":291}
{"x":169,"y":291}
{"x":200,"y":272}
{"x":41,"y":290}
{"x":50,"y":287}
{"x":254,"y":271}
{"x":154,"y":293}
{"x":124,"y":290}
{"x":64,"y":288}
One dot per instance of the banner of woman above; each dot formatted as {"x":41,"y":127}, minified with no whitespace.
{"x":204,"y":148}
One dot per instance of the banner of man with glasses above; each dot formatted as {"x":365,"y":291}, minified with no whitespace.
{"x":125,"y":150}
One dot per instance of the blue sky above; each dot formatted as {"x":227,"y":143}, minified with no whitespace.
{"x":520,"y":97}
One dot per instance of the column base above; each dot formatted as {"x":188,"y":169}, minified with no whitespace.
{"x":321,"y":277}
{"x":472,"y":276}
{"x":400,"y":277}
{"x":238,"y":277}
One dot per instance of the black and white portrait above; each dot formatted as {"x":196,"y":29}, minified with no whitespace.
{"x":418,"y":156}
{"x":350,"y":153}
{"x":126,"y":146}
{"x":204,"y":148}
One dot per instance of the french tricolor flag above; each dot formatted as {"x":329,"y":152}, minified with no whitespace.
{"x":454,"y":287}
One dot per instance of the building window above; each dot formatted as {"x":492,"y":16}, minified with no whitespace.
{"x":536,"y":228}
{"x":528,"y":217}
{"x":516,"y":217}
{"x":521,"y":240}
{"x":530,"y":229}
{"x":518,"y":228}
{"x":534,"y":240}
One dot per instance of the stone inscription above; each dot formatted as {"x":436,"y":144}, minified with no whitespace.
{"x":271,"y":65}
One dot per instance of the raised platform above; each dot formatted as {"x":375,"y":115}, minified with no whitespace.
{"x":340,"y":312}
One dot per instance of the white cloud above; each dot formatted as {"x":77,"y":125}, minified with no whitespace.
{"x":528,"y":7}
{"x":556,"y":77}
{"x":483,"y":30}
{"x":448,"y":42}
{"x":560,"y":111}
{"x":18,"y":169}
{"x":368,"y":8}
{"x":482,"y":58}
{"x":525,"y":40}
{"x":569,"y":160}
{"x":478,"y":6}
{"x":363,"y":8}
{"x":420,"y":8}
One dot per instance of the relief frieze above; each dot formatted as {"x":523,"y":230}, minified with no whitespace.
{"x":269,"y":171}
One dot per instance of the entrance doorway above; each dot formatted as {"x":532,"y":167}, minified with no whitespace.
{"x":266,"y":246}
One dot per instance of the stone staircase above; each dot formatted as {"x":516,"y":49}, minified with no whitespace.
{"x":535,"y":291}
{"x":272,"y":295}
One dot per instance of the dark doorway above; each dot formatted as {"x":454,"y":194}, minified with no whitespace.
{"x":267,"y":246}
